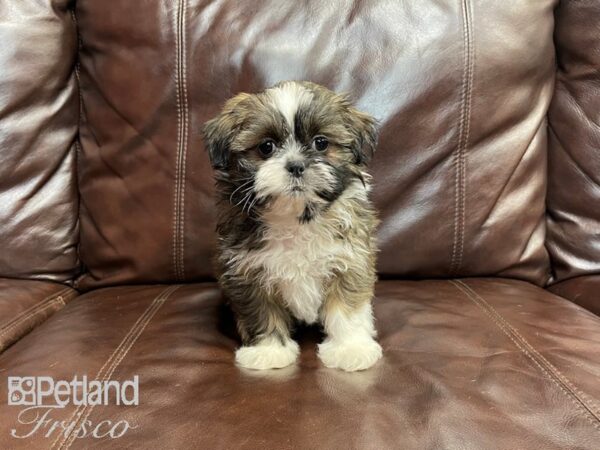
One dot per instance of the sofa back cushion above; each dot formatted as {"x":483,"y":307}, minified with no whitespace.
{"x":461,"y":90}
{"x":574,"y":144}
{"x":39,"y":108}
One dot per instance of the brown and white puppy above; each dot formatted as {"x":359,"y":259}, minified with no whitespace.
{"x":296,"y":227}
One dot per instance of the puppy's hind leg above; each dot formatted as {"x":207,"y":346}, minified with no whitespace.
{"x":348,"y":321}
{"x":264,"y":325}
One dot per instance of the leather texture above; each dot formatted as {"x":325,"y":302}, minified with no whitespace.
{"x":573,"y":157}
{"x":460,"y":172}
{"x":479,"y":363}
{"x":24,"y":304}
{"x":38,"y":125}
{"x":464,"y":173}
{"x":584,"y":290}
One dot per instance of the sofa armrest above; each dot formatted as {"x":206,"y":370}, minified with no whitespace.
{"x":573,"y":195}
{"x":584,"y":290}
{"x":25,"y":304}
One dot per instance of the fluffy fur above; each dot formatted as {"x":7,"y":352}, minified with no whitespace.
{"x":296,"y":227}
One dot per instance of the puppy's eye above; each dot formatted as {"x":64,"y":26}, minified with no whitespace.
{"x":321,"y":143}
{"x":266,"y":148}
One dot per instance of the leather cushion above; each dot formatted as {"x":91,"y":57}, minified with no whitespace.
{"x":474,"y":364}
{"x":573,"y":156}
{"x":39,"y":108}
{"x":461,"y":90}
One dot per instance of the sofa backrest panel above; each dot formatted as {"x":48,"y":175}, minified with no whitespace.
{"x":39,"y":107}
{"x":574,"y":138}
{"x":461,"y":90}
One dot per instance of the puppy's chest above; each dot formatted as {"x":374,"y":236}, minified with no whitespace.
{"x":298,"y":261}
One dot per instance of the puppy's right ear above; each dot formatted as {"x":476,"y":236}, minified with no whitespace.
{"x":217,"y":139}
{"x":220,"y":132}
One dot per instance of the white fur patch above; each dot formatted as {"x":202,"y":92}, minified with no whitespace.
{"x":267,"y":354}
{"x":350,"y":343}
{"x":303,"y":297}
{"x":271,"y":178}
{"x":288,"y":97}
{"x":356,"y":326}
{"x":298,"y":258}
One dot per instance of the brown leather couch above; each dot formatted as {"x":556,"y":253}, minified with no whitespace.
{"x":487,"y":178}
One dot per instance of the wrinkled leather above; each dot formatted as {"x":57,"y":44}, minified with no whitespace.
{"x":460,"y":172}
{"x":38,"y":124}
{"x":584,"y":290}
{"x":481,"y":363}
{"x":24,"y":304}
{"x":461,"y":90}
{"x":573,"y":152}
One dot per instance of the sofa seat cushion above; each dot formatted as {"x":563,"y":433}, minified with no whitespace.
{"x":24,"y":304}
{"x":477,"y":363}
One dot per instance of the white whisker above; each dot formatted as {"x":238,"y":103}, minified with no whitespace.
{"x":240,"y":187}
{"x":244,"y":198}
{"x":246,"y":202}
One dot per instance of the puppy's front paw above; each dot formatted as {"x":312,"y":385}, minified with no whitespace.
{"x":268,"y":354}
{"x":349,"y":355}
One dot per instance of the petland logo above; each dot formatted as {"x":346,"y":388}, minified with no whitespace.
{"x":42,"y":395}
{"x":44,"y":391}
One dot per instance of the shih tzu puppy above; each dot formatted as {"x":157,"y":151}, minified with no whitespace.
{"x":296,"y":227}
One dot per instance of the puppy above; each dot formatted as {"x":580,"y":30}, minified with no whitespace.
{"x":296,"y":227}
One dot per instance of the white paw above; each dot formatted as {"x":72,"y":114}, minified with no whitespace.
{"x":349,"y":355}
{"x":268,"y":354}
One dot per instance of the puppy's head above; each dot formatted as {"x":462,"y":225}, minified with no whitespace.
{"x":296,"y":140}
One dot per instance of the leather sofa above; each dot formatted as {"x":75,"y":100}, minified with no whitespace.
{"x":487,"y":179}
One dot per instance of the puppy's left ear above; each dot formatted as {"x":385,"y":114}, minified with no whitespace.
{"x":364,"y":128}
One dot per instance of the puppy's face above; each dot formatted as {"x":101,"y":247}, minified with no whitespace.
{"x":296,"y":140}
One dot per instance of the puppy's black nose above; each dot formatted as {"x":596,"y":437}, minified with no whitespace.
{"x":296,"y":168}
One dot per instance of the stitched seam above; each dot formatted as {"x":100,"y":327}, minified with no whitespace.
{"x":525,"y":347}
{"x":591,"y":402}
{"x":185,"y":119}
{"x":463,"y":138}
{"x":174,"y":248}
{"x":122,"y":354}
{"x":33,"y":312}
{"x":455,"y":162}
{"x":36,"y":305}
{"x":467,"y":133}
{"x":118,"y":349}
{"x":113,"y":361}
{"x":457,"y":153}
{"x":182,"y":138}
{"x":576,"y":401}
{"x":26,"y":313}
{"x":181,"y":133}
{"x":54,"y":302}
